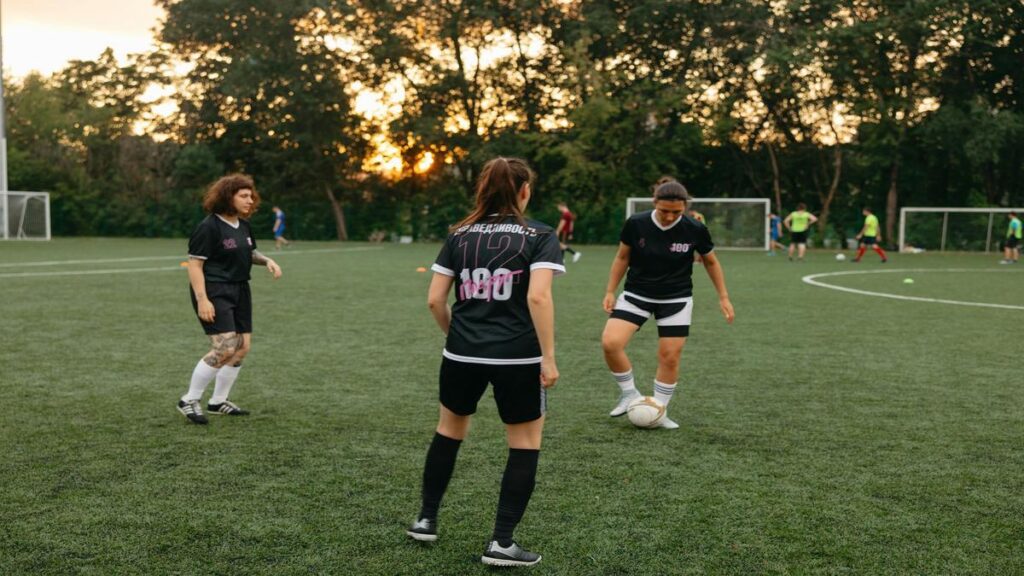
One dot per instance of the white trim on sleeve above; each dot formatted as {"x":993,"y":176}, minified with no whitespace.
{"x":442,"y":270}
{"x":558,"y":268}
{"x":197,"y":257}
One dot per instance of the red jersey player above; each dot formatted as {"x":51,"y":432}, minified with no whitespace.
{"x":564,"y":231}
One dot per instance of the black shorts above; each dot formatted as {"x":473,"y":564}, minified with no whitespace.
{"x":1011,"y":242}
{"x":869,"y":240}
{"x":517,"y":390}
{"x":673,"y":318}
{"x":798,"y":237}
{"x":232,"y":305}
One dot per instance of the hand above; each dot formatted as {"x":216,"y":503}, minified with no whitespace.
{"x":727,"y":310}
{"x":274,"y":269}
{"x":548,"y":372}
{"x":206,"y":310}
{"x":609,"y":302}
{"x":879,"y":238}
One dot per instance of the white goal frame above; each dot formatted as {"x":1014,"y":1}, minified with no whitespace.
{"x":946,"y":211}
{"x":632,"y":201}
{"x":14,"y":223}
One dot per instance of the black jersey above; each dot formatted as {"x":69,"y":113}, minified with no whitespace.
{"x":226,"y":249}
{"x":491,"y":263}
{"x":661,"y":259}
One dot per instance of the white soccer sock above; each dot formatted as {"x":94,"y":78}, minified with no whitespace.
{"x":225,"y":380}
{"x":625,"y":380}
{"x":201,"y":377}
{"x":663,"y":392}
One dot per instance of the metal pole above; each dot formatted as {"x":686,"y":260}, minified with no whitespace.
{"x":3,"y":137}
{"x":903,"y":230}
{"x":945,"y":224}
{"x":988,"y":238}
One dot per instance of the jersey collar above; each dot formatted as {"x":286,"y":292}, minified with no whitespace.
{"x":235,"y":225}
{"x":654,"y":219}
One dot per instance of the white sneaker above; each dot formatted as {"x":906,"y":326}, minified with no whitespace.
{"x":576,"y":256}
{"x":668,"y":424}
{"x":625,"y":399}
{"x":1005,"y":262}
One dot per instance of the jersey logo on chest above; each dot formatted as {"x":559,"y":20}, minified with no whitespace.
{"x":230,"y":244}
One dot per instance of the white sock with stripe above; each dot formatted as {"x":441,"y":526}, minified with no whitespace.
{"x":202,"y":375}
{"x":225,"y":380}
{"x":663,"y":392}
{"x":625,"y":381}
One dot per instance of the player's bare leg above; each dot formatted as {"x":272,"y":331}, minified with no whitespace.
{"x":616,"y":336}
{"x":669,"y":351}
{"x":226,"y":376}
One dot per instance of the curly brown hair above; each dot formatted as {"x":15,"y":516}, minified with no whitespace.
{"x":218,"y":199}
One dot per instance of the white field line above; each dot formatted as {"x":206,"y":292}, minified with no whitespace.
{"x":139,"y":259}
{"x":181,"y":257}
{"x":812,"y":280}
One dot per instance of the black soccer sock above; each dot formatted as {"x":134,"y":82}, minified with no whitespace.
{"x":570,"y":250}
{"x":516,"y":489}
{"x":437,"y":472}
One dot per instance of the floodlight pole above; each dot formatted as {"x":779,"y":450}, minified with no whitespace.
{"x":3,"y":138}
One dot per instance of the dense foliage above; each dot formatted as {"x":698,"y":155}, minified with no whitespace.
{"x":836,"y":104}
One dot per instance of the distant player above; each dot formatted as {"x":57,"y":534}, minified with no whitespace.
{"x":656,"y":252}
{"x":1011,"y":246}
{"x":500,"y":331}
{"x":870,"y":235}
{"x":564,"y":231}
{"x":774,"y":233}
{"x":221,"y":252}
{"x":279,"y":238}
{"x":799,"y":224}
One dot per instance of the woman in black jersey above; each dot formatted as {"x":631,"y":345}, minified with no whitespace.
{"x":657,"y":248}
{"x":500,"y":330}
{"x":221,"y":252}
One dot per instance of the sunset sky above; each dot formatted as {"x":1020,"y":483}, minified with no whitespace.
{"x":44,"y":34}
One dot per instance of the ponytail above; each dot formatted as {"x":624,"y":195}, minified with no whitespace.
{"x":497,"y":191}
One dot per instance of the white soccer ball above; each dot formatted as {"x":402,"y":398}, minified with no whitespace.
{"x":646,"y":412}
{"x":840,"y":257}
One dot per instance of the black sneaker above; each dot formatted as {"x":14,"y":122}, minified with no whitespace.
{"x":423,"y":530}
{"x":193,"y":411}
{"x":513,"y":555}
{"x":227,"y":407}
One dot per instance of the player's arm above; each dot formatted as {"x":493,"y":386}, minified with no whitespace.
{"x":198,"y":281}
{"x":714,"y":270}
{"x":559,"y":228}
{"x":542,"y":311}
{"x":863,"y":229}
{"x":619,"y":265}
{"x":437,"y":300}
{"x":813,"y":218}
{"x":260,"y":259}
{"x":277,"y":224}
{"x":787,"y":222}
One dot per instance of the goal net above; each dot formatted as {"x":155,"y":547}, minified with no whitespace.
{"x":962,"y":229}
{"x":736,"y":223}
{"x":25,"y":215}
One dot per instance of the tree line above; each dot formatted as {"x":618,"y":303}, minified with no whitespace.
{"x":841,"y":104}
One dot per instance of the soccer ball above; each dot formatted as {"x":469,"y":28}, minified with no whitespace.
{"x":840,"y":257}
{"x":646,"y":412}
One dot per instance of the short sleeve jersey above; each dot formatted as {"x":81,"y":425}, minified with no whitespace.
{"x":227,"y":250}
{"x":871,"y":225}
{"x":279,"y":217}
{"x":1014,"y":229}
{"x":491,"y":263}
{"x":660,"y":258}
{"x":801,"y":221}
{"x":567,"y":218}
{"x":774,"y":226}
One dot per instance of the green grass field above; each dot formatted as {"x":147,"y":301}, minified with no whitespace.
{"x":822,"y":433}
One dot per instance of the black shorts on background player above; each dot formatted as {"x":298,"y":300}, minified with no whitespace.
{"x":462,"y":385}
{"x":1011,"y":242}
{"x":798,"y":237}
{"x":232,"y":305}
{"x":869,"y":240}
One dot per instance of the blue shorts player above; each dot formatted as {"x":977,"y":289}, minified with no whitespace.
{"x":279,"y":239}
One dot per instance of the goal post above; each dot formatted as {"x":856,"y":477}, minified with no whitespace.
{"x":25,"y":215}
{"x":950,"y":228}
{"x":735,"y":223}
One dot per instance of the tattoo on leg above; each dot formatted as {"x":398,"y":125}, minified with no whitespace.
{"x":224,"y":347}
